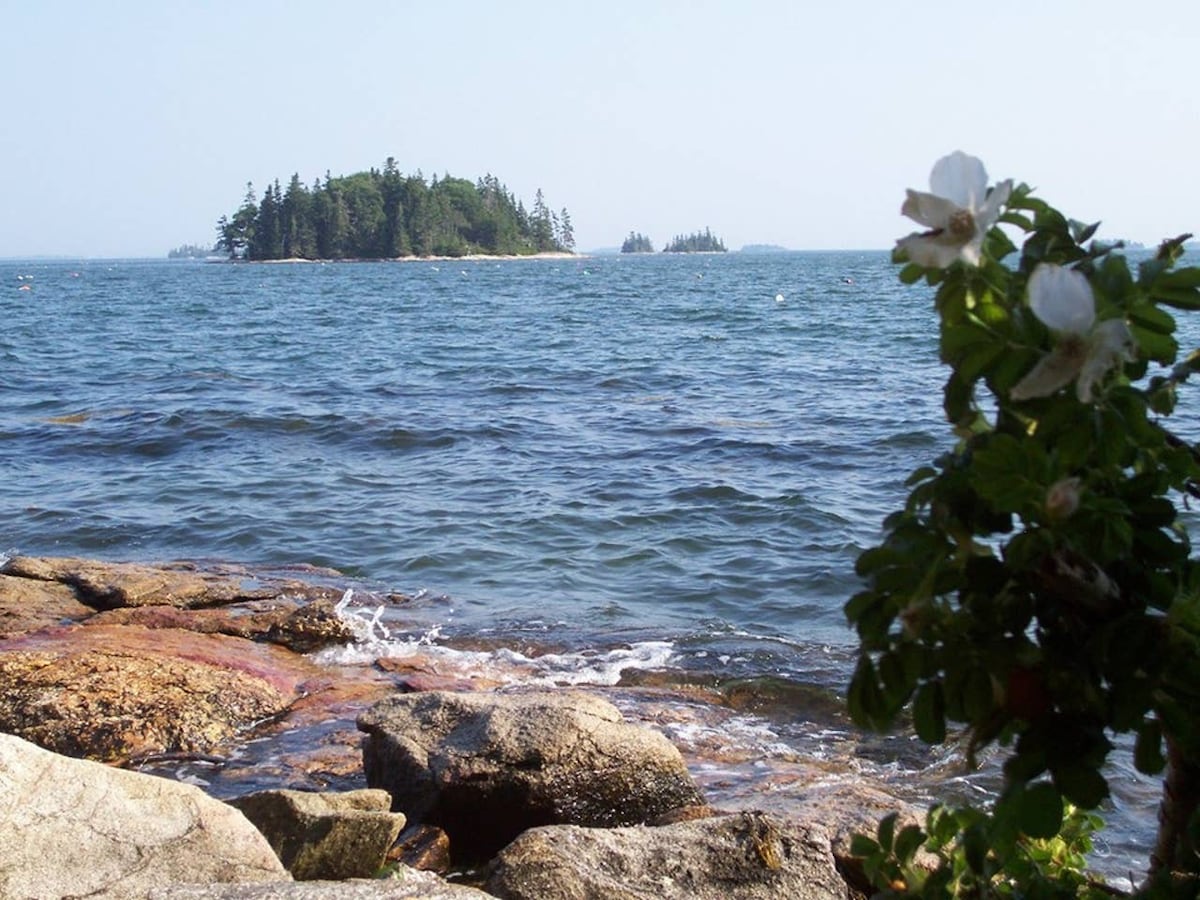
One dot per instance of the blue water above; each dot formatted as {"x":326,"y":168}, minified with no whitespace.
{"x":655,"y":445}
{"x":678,"y":451}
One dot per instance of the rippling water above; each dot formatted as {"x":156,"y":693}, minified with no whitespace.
{"x":675,"y":445}
{"x":681,"y":452}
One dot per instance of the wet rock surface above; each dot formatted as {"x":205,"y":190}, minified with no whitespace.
{"x":486,"y":766}
{"x":113,"y":693}
{"x":198,"y":672}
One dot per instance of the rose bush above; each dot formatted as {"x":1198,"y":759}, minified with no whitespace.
{"x":1037,"y":589}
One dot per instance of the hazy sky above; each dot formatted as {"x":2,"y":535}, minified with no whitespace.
{"x":129,"y":127}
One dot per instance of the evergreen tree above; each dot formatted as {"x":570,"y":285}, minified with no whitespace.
{"x":637,"y":243}
{"x":383,"y":214}
{"x":567,"y":233}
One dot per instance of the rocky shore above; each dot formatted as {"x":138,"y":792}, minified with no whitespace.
{"x":393,"y":780}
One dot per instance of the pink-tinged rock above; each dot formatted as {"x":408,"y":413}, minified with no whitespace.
{"x":116,"y":692}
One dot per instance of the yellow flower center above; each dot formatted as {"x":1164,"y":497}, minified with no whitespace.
{"x":961,"y":225}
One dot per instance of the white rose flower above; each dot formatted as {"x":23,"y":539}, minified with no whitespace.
{"x":1085,"y":350}
{"x":958,"y":212}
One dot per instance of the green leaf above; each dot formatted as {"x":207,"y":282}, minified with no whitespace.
{"x":1153,"y":318}
{"x":1154,"y":345}
{"x":863,"y":846}
{"x":1081,"y":232}
{"x":864,"y":698}
{"x":1081,"y":784}
{"x":978,"y":698}
{"x":911,"y":273}
{"x":1040,"y":810}
{"x":908,"y":842}
{"x":887,"y":830}
{"x":929,"y":713}
{"x":1183,"y":278}
{"x":1147,"y":750}
{"x":1178,"y":297}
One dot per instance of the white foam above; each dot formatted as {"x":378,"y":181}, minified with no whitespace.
{"x":374,"y":640}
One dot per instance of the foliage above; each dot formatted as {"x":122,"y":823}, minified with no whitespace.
{"x":1043,"y":867}
{"x":1037,"y":588}
{"x":190,"y":251}
{"x":385,"y":214}
{"x":637,"y":243}
{"x":698,"y":242}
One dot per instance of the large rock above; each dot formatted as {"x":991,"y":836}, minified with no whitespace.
{"x":295,"y":622}
{"x":405,"y":884}
{"x":112,"y":693}
{"x":105,"y":585}
{"x":325,"y":836}
{"x":72,"y":828}
{"x":747,"y":856}
{"x":27,"y":605}
{"x":486,"y":766}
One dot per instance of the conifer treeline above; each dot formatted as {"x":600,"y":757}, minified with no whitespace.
{"x":696,"y":243}
{"x":385,"y":214}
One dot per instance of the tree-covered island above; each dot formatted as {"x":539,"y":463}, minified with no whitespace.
{"x":637,"y":243}
{"x":384,"y":214}
{"x":696,"y":243}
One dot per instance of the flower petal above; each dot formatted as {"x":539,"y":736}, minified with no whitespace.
{"x":1054,"y":371}
{"x":960,"y":178}
{"x":1062,"y":299}
{"x":928,"y":209}
{"x":1110,"y":345}
{"x":934,"y":251}
{"x":989,"y":212}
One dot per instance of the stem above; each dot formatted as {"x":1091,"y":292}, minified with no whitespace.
{"x":1174,"y":850}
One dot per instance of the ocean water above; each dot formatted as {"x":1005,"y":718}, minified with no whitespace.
{"x":621,"y":461}
{"x":650,"y":446}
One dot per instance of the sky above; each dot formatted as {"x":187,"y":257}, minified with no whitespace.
{"x":130,"y":127}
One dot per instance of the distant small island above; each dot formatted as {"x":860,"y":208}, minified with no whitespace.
{"x":764,"y":248}
{"x":384,"y":214}
{"x":192,"y":251}
{"x":696,"y":243}
{"x":637,"y":243}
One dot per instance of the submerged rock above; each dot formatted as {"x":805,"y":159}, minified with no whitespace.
{"x":72,"y":828}
{"x":747,"y":856}
{"x":325,"y":836}
{"x":112,"y":693}
{"x":487,"y":766}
